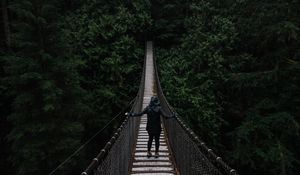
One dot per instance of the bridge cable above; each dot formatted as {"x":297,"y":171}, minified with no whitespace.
{"x":91,"y":138}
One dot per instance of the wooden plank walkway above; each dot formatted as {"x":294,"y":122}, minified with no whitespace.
{"x":141,"y":164}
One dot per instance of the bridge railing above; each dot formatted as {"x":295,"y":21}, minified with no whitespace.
{"x":191,"y":155}
{"x":115,"y":157}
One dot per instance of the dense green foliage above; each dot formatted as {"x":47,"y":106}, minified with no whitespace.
{"x":105,"y":40}
{"x":48,"y":101}
{"x":237,"y":80}
{"x":70,"y":68}
{"x":230,"y":68}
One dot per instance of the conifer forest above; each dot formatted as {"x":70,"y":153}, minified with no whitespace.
{"x":230,"y":68}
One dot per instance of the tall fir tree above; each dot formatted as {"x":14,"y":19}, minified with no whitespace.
{"x":48,"y":102}
{"x":239,"y":62}
{"x":262,"y":89}
{"x":107,"y":37}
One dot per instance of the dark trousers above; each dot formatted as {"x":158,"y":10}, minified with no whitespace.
{"x":156,"y":137}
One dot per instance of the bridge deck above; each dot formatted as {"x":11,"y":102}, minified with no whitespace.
{"x":162,"y":165}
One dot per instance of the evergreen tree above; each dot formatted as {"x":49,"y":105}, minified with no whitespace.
{"x":5,"y":29}
{"x":48,"y":99}
{"x":107,"y":38}
{"x":238,"y":66}
{"x":198,"y":68}
{"x":5,"y":101}
{"x":263,"y":87}
{"x":168,"y":21}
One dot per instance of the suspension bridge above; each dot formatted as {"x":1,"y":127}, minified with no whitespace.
{"x":181,"y":151}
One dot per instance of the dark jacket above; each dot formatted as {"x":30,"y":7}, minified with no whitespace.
{"x":153,"y":118}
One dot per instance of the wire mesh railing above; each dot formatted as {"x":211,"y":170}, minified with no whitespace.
{"x":115,"y":157}
{"x":192,"y":156}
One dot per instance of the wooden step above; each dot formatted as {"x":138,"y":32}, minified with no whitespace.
{"x":145,"y":145}
{"x":151,"y":163}
{"x":144,"y":158}
{"x":152,"y":150}
{"x":144,"y":154}
{"x":147,"y":136}
{"x":145,"y":150}
{"x":146,"y":140}
{"x":152,"y":169}
{"x":163,"y":143}
{"x":152,"y":173}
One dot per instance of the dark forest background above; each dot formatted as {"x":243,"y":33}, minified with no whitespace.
{"x":231,"y":69}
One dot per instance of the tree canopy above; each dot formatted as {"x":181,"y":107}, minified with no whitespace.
{"x":230,"y":68}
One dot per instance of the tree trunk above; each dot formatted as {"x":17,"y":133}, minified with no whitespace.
{"x":5,"y":23}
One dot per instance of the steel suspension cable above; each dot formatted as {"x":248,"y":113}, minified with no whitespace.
{"x":91,"y":138}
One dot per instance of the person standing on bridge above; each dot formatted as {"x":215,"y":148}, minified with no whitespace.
{"x":153,"y":111}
